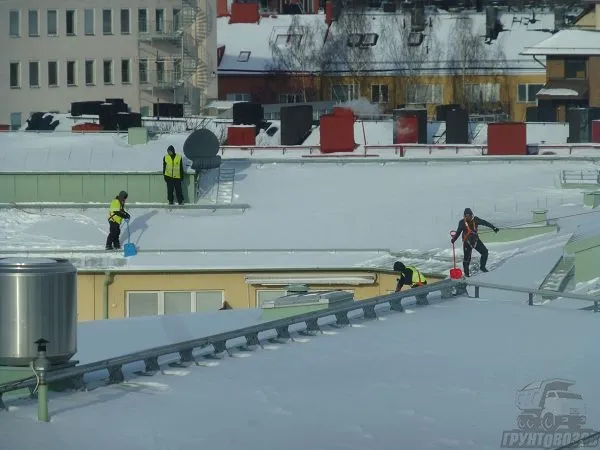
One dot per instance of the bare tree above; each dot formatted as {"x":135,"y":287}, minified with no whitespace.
{"x":409,"y":53}
{"x":296,"y":53}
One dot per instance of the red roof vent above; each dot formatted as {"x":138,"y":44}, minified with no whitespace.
{"x":244,"y":13}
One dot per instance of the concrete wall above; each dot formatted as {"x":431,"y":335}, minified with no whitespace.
{"x":237,"y":292}
{"x":88,"y":187}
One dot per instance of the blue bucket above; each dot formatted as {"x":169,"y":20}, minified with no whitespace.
{"x":129,"y":248}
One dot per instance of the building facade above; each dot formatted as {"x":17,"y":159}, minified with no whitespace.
{"x":144,"y":52}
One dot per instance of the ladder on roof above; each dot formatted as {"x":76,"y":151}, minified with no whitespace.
{"x":559,"y":277}
{"x":225,"y":185}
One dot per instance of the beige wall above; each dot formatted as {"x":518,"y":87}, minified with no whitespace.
{"x":555,"y":67}
{"x":594,"y":79}
{"x":237,"y":292}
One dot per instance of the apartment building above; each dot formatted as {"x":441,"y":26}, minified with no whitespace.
{"x":145,"y":52}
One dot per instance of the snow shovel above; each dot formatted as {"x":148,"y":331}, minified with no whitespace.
{"x":129,"y":248}
{"x":455,"y":272}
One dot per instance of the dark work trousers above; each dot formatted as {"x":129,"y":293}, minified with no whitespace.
{"x":174,"y":184}
{"x":468,"y":249}
{"x":112,"y":241}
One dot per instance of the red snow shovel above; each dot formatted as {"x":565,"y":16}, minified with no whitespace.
{"x":455,"y":272}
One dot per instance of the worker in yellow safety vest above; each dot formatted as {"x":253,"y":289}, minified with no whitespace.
{"x":116,"y":214}
{"x":173,"y":173}
{"x":409,"y":275}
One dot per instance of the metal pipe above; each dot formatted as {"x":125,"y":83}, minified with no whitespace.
{"x":109,"y":278}
{"x":40,"y":367}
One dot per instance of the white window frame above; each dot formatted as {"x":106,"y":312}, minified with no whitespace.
{"x":107,"y":26}
{"x":161,"y":299}
{"x":143,"y":29}
{"x":290,"y":98}
{"x":52,"y":22}
{"x":288,"y":40}
{"x":425,"y":94}
{"x":74,"y":83}
{"x":239,"y":97}
{"x":14,"y":32}
{"x":33,"y":18}
{"x":74,"y":24}
{"x":143,"y":71}
{"x":528,"y":99}
{"x":89,"y":29}
{"x":244,"y":56}
{"x":177,"y":19}
{"x":92,"y":73}
{"x":56,"y":73}
{"x":381,"y":98}
{"x":18,"y":83}
{"x":482,"y":92}
{"x":159,"y":20}
{"x":127,"y":72}
{"x":124,"y":30}
{"x":111,"y":74}
{"x":352,"y":92}
{"x":34,"y":66}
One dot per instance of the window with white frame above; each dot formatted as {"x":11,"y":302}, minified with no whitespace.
{"x":125,"y":71}
{"x":90,"y":72}
{"x":152,"y":303}
{"x":291,"y":98}
{"x":379,"y":93}
{"x":107,"y":21}
{"x":239,"y":97}
{"x":526,"y":93}
{"x":71,"y":73}
{"x":177,"y":19}
{"x":362,"y":39}
{"x":15,"y":75}
{"x":143,"y":71}
{"x":107,"y":71}
{"x":125,"y":21}
{"x":14,"y":26}
{"x":142,"y":20}
{"x":159,"y":19}
{"x":288,"y":40}
{"x":88,"y":22}
{"x":482,"y":93}
{"x":266,"y":295}
{"x":70,"y":22}
{"x":34,"y":74}
{"x":160,"y":71}
{"x":52,"y":22}
{"x":344,"y":92}
{"x":52,"y":73}
{"x":34,"y":23}
{"x":244,"y":56}
{"x":425,"y":94}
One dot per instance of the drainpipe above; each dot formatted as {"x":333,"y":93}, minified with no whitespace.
{"x":109,"y":278}
{"x":539,"y":62}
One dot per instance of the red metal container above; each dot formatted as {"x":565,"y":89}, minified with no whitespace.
{"x":337,"y":133}
{"x":596,"y":131}
{"x":244,"y":13}
{"x":222,"y":9}
{"x":507,"y":138}
{"x":86,"y":127}
{"x":4,"y":127}
{"x":241,"y":135}
{"x":406,"y":130}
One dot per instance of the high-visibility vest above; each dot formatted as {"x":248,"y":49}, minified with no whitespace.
{"x":173,"y":166}
{"x":115,"y":206}
{"x":417,"y":277}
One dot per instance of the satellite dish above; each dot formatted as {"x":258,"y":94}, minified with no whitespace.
{"x":201,"y":147}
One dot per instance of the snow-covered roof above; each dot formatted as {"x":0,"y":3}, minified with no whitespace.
{"x":424,"y":389}
{"x":567,"y":42}
{"x":440,"y":51}
{"x":350,"y":208}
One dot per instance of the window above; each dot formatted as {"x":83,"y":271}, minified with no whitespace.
{"x":14,"y":25}
{"x":34,"y":23}
{"x":52,"y":22}
{"x":70,"y":25}
{"x":108,"y":71}
{"x":244,"y":56}
{"x":107,"y":21}
{"x":125,"y":21}
{"x":575,"y":68}
{"x":15,"y":75}
{"x":379,"y":93}
{"x":291,"y":98}
{"x":90,"y":72}
{"x":142,"y":20}
{"x":526,"y":93}
{"x":239,"y":97}
{"x":172,"y":302}
{"x":160,"y":71}
{"x":52,"y":73}
{"x":88,"y":19}
{"x":125,"y":71}
{"x":15,"y":121}
{"x":425,"y":94}
{"x":143,"y":69}
{"x":288,"y":40}
{"x":34,"y":74}
{"x":482,"y":93}
{"x":71,"y":73}
{"x":344,"y":92}
{"x":177,"y":69}
{"x":362,"y":39}
{"x":177,"y":22}
{"x":266,"y":295}
{"x":160,"y":20}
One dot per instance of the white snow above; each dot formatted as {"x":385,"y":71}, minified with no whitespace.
{"x":567,"y":42}
{"x":558,"y":92}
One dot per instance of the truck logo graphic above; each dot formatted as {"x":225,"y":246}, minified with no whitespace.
{"x":550,"y":415}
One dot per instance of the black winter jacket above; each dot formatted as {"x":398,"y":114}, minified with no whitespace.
{"x":461,"y":229}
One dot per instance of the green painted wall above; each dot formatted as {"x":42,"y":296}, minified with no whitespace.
{"x":88,"y":187}
{"x":515,"y":234}
{"x":586,"y":264}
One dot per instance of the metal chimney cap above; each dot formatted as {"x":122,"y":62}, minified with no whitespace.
{"x":23,"y":261}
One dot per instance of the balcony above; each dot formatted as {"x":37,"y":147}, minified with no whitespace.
{"x":165,"y":30}
{"x":161,"y":79}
